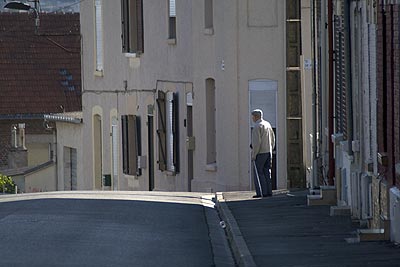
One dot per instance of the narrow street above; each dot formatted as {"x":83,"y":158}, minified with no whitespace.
{"x":110,"y":229}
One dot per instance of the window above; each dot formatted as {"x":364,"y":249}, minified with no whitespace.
{"x":132,"y":26}
{"x":131,"y":144}
{"x":168,"y":132}
{"x":211,"y":122}
{"x":208,"y":14}
{"x":171,"y":19}
{"x":99,"y":35}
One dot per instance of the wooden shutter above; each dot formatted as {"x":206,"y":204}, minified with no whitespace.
{"x":124,"y":124}
{"x":175,"y":131}
{"x":125,"y":25}
{"x":139,"y":23}
{"x":132,"y":145}
{"x":161,"y":132}
{"x":138,"y":143}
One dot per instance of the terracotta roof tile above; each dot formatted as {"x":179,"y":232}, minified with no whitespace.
{"x":39,"y":72}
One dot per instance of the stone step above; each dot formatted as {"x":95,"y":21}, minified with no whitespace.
{"x":340,"y":211}
{"x":318,"y":200}
{"x":371,"y":235}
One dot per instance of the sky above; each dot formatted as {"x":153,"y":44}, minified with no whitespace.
{"x":51,"y":5}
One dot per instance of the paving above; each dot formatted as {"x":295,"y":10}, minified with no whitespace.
{"x":111,"y":229}
{"x":283,"y":231}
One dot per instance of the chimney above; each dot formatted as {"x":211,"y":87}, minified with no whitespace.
{"x":21,"y":139}
{"x":18,"y":156}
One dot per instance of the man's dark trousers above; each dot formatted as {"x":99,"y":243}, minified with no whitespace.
{"x":263,"y":164}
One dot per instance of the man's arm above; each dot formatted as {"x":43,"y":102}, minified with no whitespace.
{"x":272,"y":138}
{"x":256,"y":142}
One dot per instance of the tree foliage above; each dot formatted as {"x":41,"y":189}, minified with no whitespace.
{"x":7,"y":185}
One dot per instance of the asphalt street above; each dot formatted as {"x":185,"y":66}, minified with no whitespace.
{"x":104,"y":229}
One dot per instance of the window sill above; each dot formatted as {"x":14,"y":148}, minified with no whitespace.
{"x":171,"y":41}
{"x":209,"y":31}
{"x":98,"y":73}
{"x":131,"y":55}
{"x":211,"y":167}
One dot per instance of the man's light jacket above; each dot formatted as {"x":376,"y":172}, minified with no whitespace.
{"x":263,"y":138}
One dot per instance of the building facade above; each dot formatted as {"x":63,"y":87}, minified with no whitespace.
{"x":168,"y":88}
{"x":361,"y":52}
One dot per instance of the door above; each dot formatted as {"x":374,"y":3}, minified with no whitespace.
{"x":150,"y":131}
{"x":263,"y":95}
{"x":97,"y":151}
{"x":70,"y":165}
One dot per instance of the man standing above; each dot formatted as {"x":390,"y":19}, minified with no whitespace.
{"x":263,"y":142}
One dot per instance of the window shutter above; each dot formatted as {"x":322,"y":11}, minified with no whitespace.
{"x":161,"y":131}
{"x":139,"y":23}
{"x":170,"y":131}
{"x":124,"y":124}
{"x":125,"y":25}
{"x":132,"y":146}
{"x":99,"y":35}
{"x":138,"y":143}
{"x":175,"y":124}
{"x":172,"y":8}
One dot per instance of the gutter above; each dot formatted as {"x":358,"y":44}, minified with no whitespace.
{"x":62,"y":118}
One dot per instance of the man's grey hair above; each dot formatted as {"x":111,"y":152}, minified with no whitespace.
{"x":257,"y":112}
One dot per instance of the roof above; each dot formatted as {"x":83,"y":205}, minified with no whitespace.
{"x":27,"y":170}
{"x":40,"y":73}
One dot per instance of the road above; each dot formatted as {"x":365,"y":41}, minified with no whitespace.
{"x":111,"y":229}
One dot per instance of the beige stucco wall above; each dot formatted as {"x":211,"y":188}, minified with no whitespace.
{"x":247,"y":53}
{"x":38,"y":148}
{"x":41,"y":181}
{"x":70,"y":135}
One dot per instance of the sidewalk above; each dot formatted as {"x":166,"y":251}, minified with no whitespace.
{"x":283,"y":231}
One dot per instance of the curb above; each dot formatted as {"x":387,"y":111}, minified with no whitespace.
{"x":239,"y":247}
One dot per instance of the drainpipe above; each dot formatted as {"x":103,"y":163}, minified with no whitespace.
{"x":331,"y":95}
{"x":349,"y":89}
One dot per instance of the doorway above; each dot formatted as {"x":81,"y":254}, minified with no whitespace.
{"x":263,"y":95}
{"x":97,"y":151}
{"x":70,"y":165}
{"x":150,"y":131}
{"x":189,"y":138}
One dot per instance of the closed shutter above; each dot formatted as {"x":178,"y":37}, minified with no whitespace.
{"x":99,"y":35}
{"x":125,"y":25}
{"x":139,"y":23}
{"x":124,"y":124}
{"x":132,"y":145}
{"x":138,"y":144}
{"x":161,"y":131}
{"x":340,"y":78}
{"x":132,"y":26}
{"x":172,"y":8}
{"x":170,"y":131}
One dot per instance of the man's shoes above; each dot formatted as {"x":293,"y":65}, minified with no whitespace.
{"x":268,"y":195}
{"x":256,"y":196}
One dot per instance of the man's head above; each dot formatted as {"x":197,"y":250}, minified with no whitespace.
{"x":257,"y":114}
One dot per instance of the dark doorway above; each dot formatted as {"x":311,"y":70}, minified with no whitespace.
{"x":189,"y":128}
{"x":150,"y":125}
